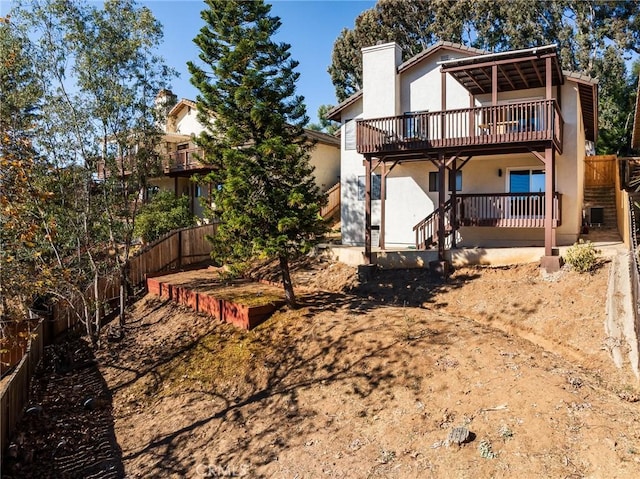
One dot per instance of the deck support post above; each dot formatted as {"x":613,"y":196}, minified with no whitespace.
{"x":367,"y":210}
{"x":442,"y":199}
{"x":550,"y":262}
{"x":453,"y":215}
{"x":383,"y":194}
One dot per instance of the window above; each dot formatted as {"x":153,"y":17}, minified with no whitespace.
{"x":350,"y":135}
{"x":376,"y":184}
{"x":152,"y":191}
{"x":433,"y":181}
{"x":198,"y":191}
{"x":526,"y":181}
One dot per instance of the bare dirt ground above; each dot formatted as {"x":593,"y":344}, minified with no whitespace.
{"x":369,"y":380}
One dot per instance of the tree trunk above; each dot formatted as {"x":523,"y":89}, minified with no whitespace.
{"x":289,"y":295}
{"x":123,"y":299}
{"x":95,"y":331}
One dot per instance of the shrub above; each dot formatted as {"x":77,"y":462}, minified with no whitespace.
{"x":582,"y":256}
{"x":165,"y":212}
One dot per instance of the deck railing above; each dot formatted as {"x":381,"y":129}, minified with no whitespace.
{"x":184,"y":160}
{"x":505,"y":210}
{"x":526,"y":121}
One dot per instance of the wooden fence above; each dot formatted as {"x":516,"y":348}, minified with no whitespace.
{"x":333,"y":202}
{"x":176,"y":249}
{"x":15,"y":394}
{"x":600,"y":170}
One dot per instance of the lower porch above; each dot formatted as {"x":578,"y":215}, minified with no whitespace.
{"x":608,"y":241}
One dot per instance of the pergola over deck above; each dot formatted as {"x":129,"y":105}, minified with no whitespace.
{"x":450,"y":138}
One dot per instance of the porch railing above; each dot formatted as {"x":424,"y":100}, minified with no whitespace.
{"x":427,"y":230}
{"x":184,"y":160}
{"x":505,"y":210}
{"x":526,"y":121}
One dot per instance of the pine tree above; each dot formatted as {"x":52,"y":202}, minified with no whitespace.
{"x":267,"y":202}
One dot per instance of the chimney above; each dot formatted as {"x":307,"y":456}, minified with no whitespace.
{"x":164,"y":102}
{"x":380,"y":80}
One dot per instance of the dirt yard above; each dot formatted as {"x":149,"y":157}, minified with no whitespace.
{"x":370,"y":380}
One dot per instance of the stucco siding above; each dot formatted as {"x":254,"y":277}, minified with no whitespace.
{"x":421,"y":87}
{"x":326,"y":162}
{"x":351,"y":209}
{"x":187,"y":122}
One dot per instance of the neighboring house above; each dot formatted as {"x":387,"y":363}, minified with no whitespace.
{"x":457,"y":147}
{"x":179,"y":154}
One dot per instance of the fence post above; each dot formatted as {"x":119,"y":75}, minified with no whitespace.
{"x":180,"y":249}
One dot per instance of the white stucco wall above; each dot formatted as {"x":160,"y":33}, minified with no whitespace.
{"x":420,"y":86}
{"x":380,"y":86}
{"x":187,"y":122}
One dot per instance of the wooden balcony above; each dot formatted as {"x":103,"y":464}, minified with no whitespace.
{"x":486,"y":129}
{"x":185,"y":162}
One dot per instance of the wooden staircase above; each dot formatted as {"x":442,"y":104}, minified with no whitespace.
{"x":600,"y":206}
{"x":427,"y":229}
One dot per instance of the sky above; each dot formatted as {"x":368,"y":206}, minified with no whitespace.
{"x":309,"y":26}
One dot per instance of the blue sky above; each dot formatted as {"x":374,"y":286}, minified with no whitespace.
{"x":309,"y":26}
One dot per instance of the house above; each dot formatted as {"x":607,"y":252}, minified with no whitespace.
{"x":460,"y":148}
{"x":180,"y":155}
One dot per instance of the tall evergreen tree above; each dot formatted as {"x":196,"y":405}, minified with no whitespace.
{"x":267,"y":202}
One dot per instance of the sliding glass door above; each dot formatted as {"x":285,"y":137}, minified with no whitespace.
{"x":527,"y":181}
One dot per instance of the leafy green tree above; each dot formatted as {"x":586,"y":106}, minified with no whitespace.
{"x":325,"y":125}
{"x":22,"y":269}
{"x":165,"y":212}
{"x":267,"y":203}
{"x":99,"y":75}
{"x":590,"y":35}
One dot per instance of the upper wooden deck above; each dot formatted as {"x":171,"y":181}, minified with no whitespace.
{"x":480,"y":130}
{"x":185,"y":162}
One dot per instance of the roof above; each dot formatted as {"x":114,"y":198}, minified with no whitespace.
{"x":435,"y":47}
{"x":334,"y":113}
{"x":635,"y":136}
{"x":322,"y":137}
{"x":180,"y":105}
{"x":318,"y":136}
{"x":588,"y":93}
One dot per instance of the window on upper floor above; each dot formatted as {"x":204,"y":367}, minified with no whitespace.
{"x":350,"y":135}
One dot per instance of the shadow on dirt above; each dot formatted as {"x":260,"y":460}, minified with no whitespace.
{"x":68,"y":428}
{"x":288,"y":358}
